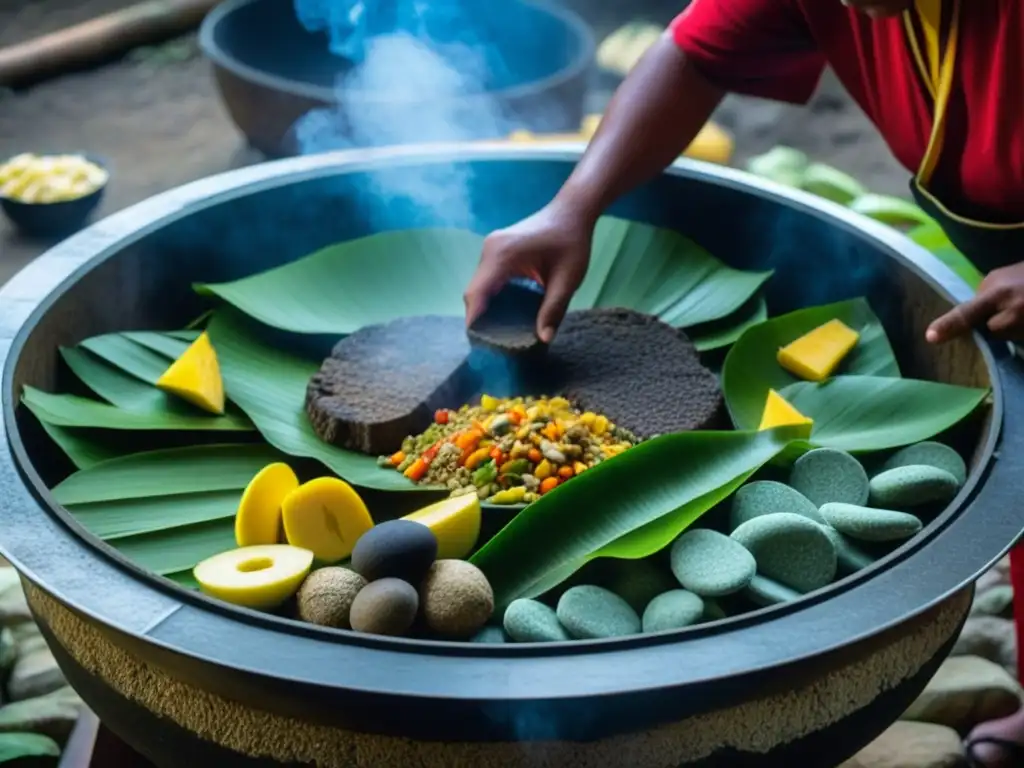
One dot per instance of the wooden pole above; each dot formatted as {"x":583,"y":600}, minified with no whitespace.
{"x":100,"y":39}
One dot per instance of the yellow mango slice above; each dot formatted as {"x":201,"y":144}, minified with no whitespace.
{"x":195,"y":376}
{"x":255,"y":577}
{"x":455,"y":523}
{"x":258,"y":520}
{"x":325,"y":516}
{"x":779,"y":413}
{"x":815,"y":355}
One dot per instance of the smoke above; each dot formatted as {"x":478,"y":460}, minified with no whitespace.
{"x":420,"y":72}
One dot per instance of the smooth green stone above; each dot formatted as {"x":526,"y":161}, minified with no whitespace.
{"x":639,"y":581}
{"x":588,"y":613}
{"x":850,"y":558}
{"x":765,"y":592}
{"x":530,"y":621}
{"x":790,"y":549}
{"x":767,"y":497}
{"x":825,"y":475}
{"x":868,"y":524}
{"x":931,"y":454}
{"x":913,"y":485}
{"x":490,"y":635}
{"x":672,"y":610}
{"x":710,"y":564}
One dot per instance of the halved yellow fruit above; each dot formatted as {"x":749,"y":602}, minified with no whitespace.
{"x":195,"y":376}
{"x":255,"y":577}
{"x":455,"y":523}
{"x":778,"y":412}
{"x":326,"y":516}
{"x":258,"y":520}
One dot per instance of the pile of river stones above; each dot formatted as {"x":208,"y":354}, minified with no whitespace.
{"x":775,"y":541}
{"x":38,"y":709}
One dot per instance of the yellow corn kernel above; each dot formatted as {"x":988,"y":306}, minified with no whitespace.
{"x":551,"y":431}
{"x":523,"y":432}
{"x":600,"y":425}
{"x":587,"y":418}
{"x":536,"y":438}
{"x":558,"y":403}
{"x":533,"y":412}
{"x":488,"y":403}
{"x":477,"y":457}
{"x":816,"y":354}
{"x":513,"y":495}
{"x":543,"y":470}
{"x":579,"y":467}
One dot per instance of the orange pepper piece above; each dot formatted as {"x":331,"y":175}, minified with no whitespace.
{"x":548,"y":484}
{"x":416,"y":470}
{"x":397,"y":458}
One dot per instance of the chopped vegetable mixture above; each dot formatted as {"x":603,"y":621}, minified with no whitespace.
{"x":508,"y":451}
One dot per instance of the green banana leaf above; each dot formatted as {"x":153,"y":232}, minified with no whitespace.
{"x":184,"y":579}
{"x":18,"y":745}
{"x":269,"y":385}
{"x":82,"y":451}
{"x":891,"y":210}
{"x":415,"y":272}
{"x":557,"y":534}
{"x":722,"y":333}
{"x":128,"y":356}
{"x":751,"y":369}
{"x":874,"y":413}
{"x":660,"y":272}
{"x":167,"y":472}
{"x":178,"y":549}
{"x":111,"y":520}
{"x":170,"y":345}
{"x":75,"y":411}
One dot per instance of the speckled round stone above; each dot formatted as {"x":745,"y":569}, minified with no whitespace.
{"x":767,"y":497}
{"x":825,"y":475}
{"x":588,"y":613}
{"x":790,"y":549}
{"x":868,"y":524}
{"x":710,"y":564}
{"x":765,"y":592}
{"x":639,"y":581}
{"x":849,"y":556}
{"x":913,"y":485}
{"x":931,"y":454}
{"x":530,"y":621}
{"x":490,"y":635}
{"x":672,"y":610}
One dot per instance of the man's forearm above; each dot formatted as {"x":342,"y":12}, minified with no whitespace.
{"x":651,"y":119}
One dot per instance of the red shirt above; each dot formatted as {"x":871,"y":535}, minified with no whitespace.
{"x":777,"y":49}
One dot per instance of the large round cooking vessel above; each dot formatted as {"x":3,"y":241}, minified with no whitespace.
{"x":271,"y":72}
{"x":184,"y":679}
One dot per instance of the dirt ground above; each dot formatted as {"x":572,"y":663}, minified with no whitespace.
{"x":156,"y":118}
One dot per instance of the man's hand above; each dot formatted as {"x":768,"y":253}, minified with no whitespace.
{"x":998,"y":304}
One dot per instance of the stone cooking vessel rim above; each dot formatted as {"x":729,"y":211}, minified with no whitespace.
{"x":221,"y":57}
{"x":51,"y":549}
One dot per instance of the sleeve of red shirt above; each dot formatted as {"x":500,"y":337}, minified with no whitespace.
{"x":754,"y":47}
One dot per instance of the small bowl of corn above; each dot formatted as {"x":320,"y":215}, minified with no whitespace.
{"x":48,"y":195}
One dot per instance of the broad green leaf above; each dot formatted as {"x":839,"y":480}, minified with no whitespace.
{"x":612,"y":500}
{"x":890,"y":210}
{"x":873,"y":413}
{"x":14,"y":746}
{"x":113,"y":385}
{"x":125,"y":354}
{"x":722,"y":333}
{"x":184,"y":579}
{"x":165,"y":344}
{"x":374,"y":279}
{"x":74,"y":411}
{"x":751,"y":368}
{"x":110,"y":520}
{"x":172,"y":471}
{"x":269,"y":385}
{"x":82,"y":451}
{"x":662,"y":273}
{"x":178,"y":549}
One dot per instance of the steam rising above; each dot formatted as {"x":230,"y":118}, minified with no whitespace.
{"x":421,"y":74}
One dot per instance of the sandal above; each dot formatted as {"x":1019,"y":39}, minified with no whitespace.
{"x":1013,"y":750}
